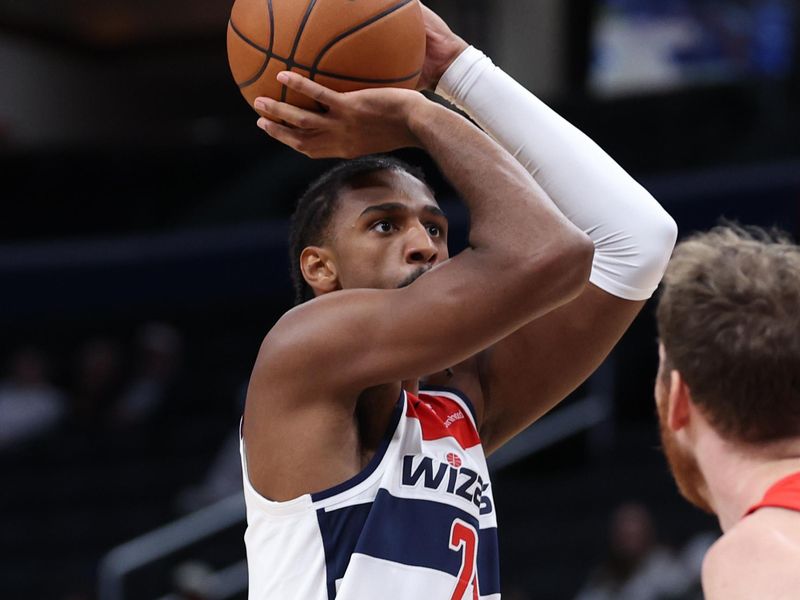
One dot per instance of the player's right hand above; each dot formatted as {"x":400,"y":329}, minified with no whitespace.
{"x":442,"y":47}
{"x":353,"y":124}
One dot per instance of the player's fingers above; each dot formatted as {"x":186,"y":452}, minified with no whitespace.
{"x":303,"y":85}
{"x":297,"y":139}
{"x":289,"y":114}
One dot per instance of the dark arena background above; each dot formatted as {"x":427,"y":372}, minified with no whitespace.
{"x":143,"y":258}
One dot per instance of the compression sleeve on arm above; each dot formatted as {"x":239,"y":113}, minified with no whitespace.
{"x":632,"y":234}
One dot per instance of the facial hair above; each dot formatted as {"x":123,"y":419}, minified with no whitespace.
{"x":413,"y":277}
{"x":688,"y":476}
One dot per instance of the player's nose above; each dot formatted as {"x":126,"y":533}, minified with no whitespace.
{"x":420,"y":248}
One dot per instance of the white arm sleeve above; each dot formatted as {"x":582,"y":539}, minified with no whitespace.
{"x":632,"y":234}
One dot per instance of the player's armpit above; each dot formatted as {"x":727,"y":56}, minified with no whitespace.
{"x":351,"y":340}
{"x":533,"y":369}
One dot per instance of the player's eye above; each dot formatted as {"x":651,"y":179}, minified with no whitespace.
{"x":383,"y":227}
{"x":434,"y":230}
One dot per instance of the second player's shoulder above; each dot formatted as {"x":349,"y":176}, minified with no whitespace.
{"x":757,"y":558}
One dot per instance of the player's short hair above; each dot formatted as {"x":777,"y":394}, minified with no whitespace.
{"x":317,"y":206}
{"x":729,"y":319}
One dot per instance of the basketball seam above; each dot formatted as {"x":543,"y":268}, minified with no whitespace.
{"x":267,"y":51}
{"x":352,"y":30}
{"x":367,"y":79}
{"x":344,"y":77}
{"x":246,"y":39}
{"x":271,"y":26}
{"x":290,"y":63}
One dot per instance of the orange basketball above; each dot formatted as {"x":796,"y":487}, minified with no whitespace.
{"x":345,"y":45}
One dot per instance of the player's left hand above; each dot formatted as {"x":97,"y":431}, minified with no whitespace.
{"x":442,"y":48}
{"x":353,"y":123}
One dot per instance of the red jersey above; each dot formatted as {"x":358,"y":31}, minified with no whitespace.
{"x":784,"y":494}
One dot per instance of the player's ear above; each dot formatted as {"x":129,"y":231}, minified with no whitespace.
{"x":678,"y":402}
{"x":319,"y":269}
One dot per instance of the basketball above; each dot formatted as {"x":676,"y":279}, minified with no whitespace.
{"x":344,"y":45}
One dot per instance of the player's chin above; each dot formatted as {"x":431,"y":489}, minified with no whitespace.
{"x":413,"y":276}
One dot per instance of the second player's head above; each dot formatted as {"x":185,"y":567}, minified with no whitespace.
{"x":367,"y":223}
{"x":728,"y":321}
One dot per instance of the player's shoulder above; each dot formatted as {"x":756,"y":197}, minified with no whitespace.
{"x":325,"y":337}
{"x":326,"y":321}
{"x":754,"y":559}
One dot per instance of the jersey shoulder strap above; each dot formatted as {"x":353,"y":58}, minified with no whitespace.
{"x":784,"y":494}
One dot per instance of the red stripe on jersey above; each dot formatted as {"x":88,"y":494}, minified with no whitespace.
{"x":440,"y":417}
{"x":784,"y":494}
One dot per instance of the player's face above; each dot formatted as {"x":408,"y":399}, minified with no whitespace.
{"x":387,"y":231}
{"x":682,"y":462}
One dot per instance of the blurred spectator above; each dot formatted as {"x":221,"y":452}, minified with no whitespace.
{"x":637,"y":567}
{"x":97,"y":382}
{"x":30,"y":406}
{"x":160,"y":350}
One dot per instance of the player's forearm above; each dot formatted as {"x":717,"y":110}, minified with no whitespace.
{"x":509,"y":211}
{"x":633,"y":235}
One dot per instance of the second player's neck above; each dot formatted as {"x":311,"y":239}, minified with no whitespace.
{"x":738,"y":478}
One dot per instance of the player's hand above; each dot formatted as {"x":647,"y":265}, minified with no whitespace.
{"x":353,"y":124}
{"x":442,"y":48}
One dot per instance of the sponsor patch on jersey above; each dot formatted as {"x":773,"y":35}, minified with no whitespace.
{"x":440,"y":417}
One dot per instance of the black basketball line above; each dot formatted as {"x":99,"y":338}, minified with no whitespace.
{"x":246,"y":39}
{"x":290,"y":63}
{"x":366,"y":79}
{"x":264,"y":50}
{"x":267,"y":51}
{"x":271,"y":26}
{"x":347,"y":77}
{"x":352,"y":30}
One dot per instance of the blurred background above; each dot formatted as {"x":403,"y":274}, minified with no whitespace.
{"x":143,"y":258}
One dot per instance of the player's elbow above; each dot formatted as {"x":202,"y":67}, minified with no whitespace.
{"x":656,"y":240}
{"x":663,"y":230}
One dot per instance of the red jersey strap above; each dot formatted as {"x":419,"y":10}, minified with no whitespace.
{"x":784,"y":494}
{"x":441,"y":416}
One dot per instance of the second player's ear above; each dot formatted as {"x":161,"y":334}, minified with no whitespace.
{"x":678,"y":403}
{"x":319,"y":270}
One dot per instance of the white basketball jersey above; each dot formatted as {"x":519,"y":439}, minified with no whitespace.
{"x":417,"y":522}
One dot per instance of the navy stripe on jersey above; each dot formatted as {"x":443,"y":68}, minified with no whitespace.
{"x":432,"y":389}
{"x":340,"y":532}
{"x":380,"y":533}
{"x":488,"y":561}
{"x":376,"y":460}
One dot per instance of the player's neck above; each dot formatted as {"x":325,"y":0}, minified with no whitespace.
{"x":738,"y":476}
{"x":411,"y":386}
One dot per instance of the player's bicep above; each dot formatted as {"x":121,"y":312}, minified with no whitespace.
{"x":355,"y":339}
{"x":529,"y":372}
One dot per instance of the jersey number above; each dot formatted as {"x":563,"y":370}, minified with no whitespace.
{"x":464,"y":538}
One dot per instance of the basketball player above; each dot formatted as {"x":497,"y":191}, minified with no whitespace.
{"x":373,"y":402}
{"x":728,"y":397}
